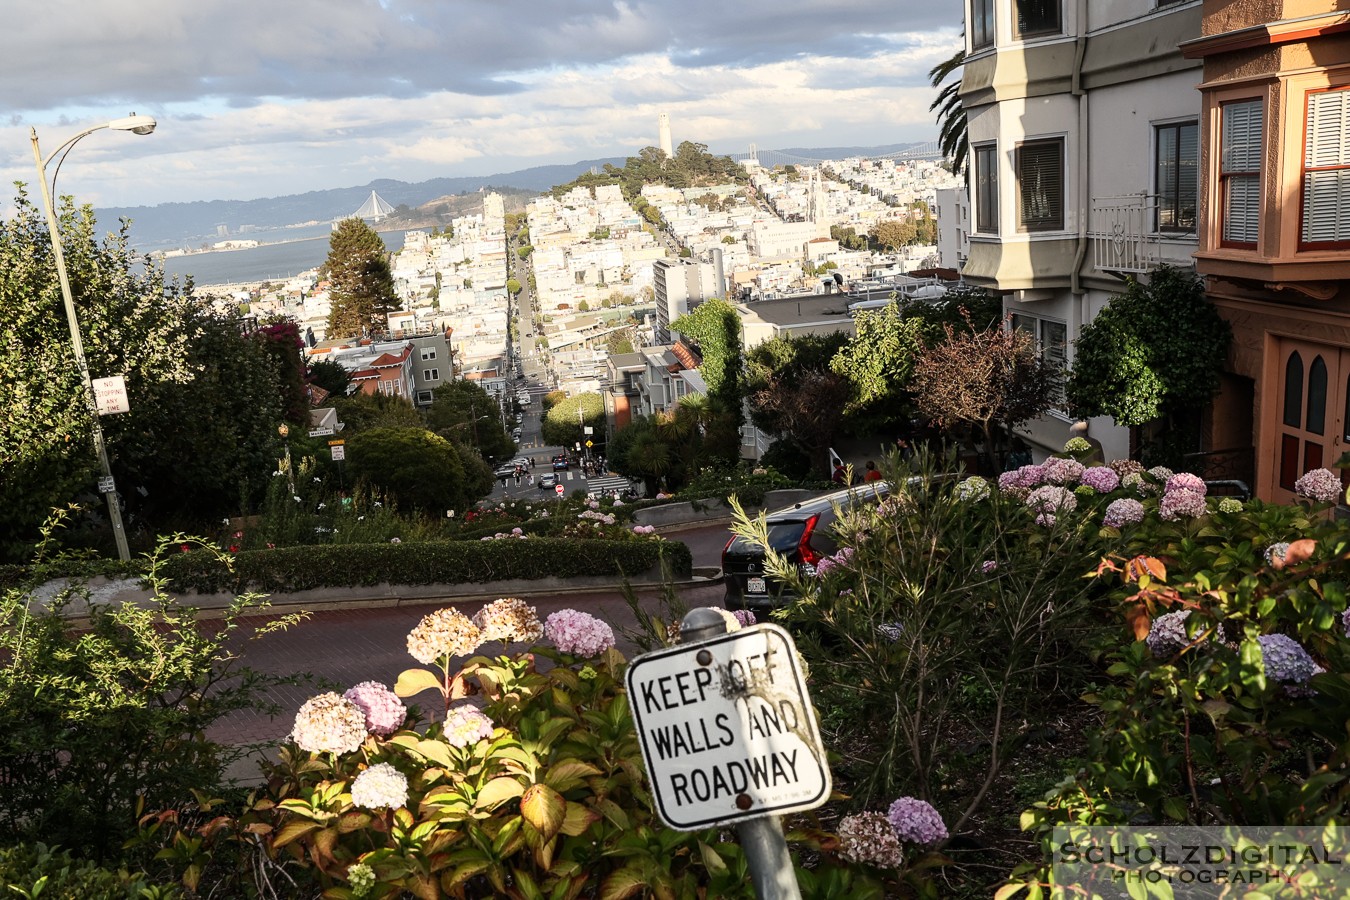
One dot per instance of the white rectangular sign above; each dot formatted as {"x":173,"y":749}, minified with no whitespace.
{"x":321,"y":431}
{"x":339,"y":452}
{"x":727,"y":729}
{"x":110,"y":395}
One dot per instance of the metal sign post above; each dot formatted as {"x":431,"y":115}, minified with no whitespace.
{"x":729,"y":736}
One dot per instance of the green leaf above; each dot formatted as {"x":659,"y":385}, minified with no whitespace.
{"x":498,"y":791}
{"x":579,"y":817}
{"x":545,"y":809}
{"x":293,"y":831}
{"x":622,"y":884}
{"x":412,"y":682}
{"x":568,"y":773}
{"x":436,"y":751}
{"x":1009,"y":890}
{"x":1175,"y":809}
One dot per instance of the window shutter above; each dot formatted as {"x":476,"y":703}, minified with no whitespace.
{"x":1240,"y":164}
{"x":1326,"y":193}
{"x":1040,"y":179}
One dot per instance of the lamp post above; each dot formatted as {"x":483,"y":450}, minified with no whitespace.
{"x":136,"y":125}
{"x":284,"y":430}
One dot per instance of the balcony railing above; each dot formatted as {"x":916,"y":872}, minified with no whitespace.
{"x":1125,"y":237}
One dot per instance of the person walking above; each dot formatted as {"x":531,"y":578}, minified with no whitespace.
{"x":871,"y":474}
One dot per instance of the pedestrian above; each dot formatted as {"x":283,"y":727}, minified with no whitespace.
{"x":872,"y":474}
{"x":840,"y":474}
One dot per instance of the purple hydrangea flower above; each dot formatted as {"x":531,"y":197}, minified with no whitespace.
{"x":989,"y":565}
{"x":1321,"y":485}
{"x":1345,"y":622}
{"x":1167,"y":634}
{"x":1185,"y":481}
{"x":1102,"y":479}
{"x":383,"y":709}
{"x":1059,"y":470}
{"x":745,"y":617}
{"x":1022,"y":477}
{"x":578,"y":633}
{"x":1275,"y":552}
{"x":1052,"y":499}
{"x":916,"y":821}
{"x":1182,"y":504}
{"x":1124,"y":512}
{"x":1287,"y":663}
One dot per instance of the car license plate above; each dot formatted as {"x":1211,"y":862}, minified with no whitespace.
{"x":755,"y":586}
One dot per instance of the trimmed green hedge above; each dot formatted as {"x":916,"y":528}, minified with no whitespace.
{"x":290,"y":569}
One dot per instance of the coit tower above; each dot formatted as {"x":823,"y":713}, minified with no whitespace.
{"x":663,"y":135}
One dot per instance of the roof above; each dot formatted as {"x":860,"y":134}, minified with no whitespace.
{"x":802,"y":308}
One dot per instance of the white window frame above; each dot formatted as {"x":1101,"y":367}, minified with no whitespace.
{"x":431,"y":374}
{"x":1048,"y":349}
{"x":1324,"y":211}
{"x":428,"y":354}
{"x":1241,"y":154}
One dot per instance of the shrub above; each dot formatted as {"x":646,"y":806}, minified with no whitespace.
{"x":289,"y":569}
{"x":536,"y":789}
{"x":96,"y":720}
{"x":36,"y":870}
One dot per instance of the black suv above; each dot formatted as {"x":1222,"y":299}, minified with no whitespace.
{"x":803,"y":533}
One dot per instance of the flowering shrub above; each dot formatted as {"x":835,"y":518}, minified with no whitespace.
{"x":1320,"y":485}
{"x":329,"y":723}
{"x":384,"y":711}
{"x":916,"y":821}
{"x":534,"y":778}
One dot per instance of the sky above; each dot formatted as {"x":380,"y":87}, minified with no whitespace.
{"x":260,"y":98}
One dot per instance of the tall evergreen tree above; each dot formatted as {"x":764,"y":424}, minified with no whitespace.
{"x":361,"y":283}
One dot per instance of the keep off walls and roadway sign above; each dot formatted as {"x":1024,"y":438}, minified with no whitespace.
{"x":727,"y":729}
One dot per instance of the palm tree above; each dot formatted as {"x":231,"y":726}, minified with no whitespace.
{"x":951,"y":114}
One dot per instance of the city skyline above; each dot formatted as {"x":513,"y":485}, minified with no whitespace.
{"x":340,"y":94}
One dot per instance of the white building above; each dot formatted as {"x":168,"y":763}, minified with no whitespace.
{"x":1082,"y":121}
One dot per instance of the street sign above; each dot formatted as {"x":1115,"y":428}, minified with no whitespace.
{"x":558,"y":489}
{"x":590,"y":444}
{"x":727,"y":729}
{"x":106,"y":485}
{"x":110,"y":395}
{"x":588,"y":429}
{"x":321,"y":431}
{"x":339,"y":452}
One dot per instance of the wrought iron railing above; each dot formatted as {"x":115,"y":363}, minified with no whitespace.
{"x":1126,"y":238}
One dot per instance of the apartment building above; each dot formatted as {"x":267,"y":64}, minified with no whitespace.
{"x":1274,"y":243}
{"x":1083,"y":119}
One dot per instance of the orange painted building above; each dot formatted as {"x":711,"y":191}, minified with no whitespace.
{"x":1274,"y":241}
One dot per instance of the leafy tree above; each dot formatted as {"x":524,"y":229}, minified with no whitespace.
{"x":463,"y":412}
{"x":524,"y":251}
{"x":361,"y":412}
{"x":330,"y":375}
{"x":512,"y":286}
{"x":964,"y":307}
{"x":281,"y":338}
{"x":204,"y":399}
{"x":552,"y":399}
{"x":478,"y":478}
{"x":795,"y":394}
{"x":878,"y":361}
{"x":984,"y":379}
{"x":583,"y":306}
{"x":639,"y":451}
{"x":952,"y":137}
{"x":418,"y":469}
{"x":1155,"y":350}
{"x":562,"y":425}
{"x":894,"y":233}
{"x":361,"y":283}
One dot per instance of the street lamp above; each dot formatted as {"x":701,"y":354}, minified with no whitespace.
{"x":136,"y":125}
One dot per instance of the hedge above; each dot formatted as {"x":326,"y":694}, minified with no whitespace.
{"x":289,"y":569}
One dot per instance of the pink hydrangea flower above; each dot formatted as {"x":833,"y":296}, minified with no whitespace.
{"x":1181,"y":504}
{"x":1124,"y":512}
{"x":578,"y":633}
{"x":1185,"y":481}
{"x":870,"y":838}
{"x":1059,"y":470}
{"x":1049,"y":498}
{"x":916,"y":821}
{"x":1321,"y":485}
{"x":989,"y":565}
{"x":1102,"y":479}
{"x":383,"y":709}
{"x":1022,"y":477}
{"x":329,"y":723}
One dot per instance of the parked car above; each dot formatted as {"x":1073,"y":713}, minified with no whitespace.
{"x":548,"y":481}
{"x":506,"y":471}
{"x":803,"y":532}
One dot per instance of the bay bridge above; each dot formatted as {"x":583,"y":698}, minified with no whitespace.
{"x":770,"y":158}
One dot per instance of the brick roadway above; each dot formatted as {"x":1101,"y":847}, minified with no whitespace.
{"x":348,"y":646}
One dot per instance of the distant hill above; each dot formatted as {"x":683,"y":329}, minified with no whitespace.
{"x":189,"y":224}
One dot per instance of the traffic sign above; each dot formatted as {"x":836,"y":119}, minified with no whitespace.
{"x":106,"y":485}
{"x":590,"y":444}
{"x":321,"y":431}
{"x":727,"y":729}
{"x":339,"y":452}
{"x":558,"y":489}
{"x":110,"y":395}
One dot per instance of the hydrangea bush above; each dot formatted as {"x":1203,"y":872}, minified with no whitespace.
{"x":522,"y":779}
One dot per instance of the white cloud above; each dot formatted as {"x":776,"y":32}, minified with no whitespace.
{"x":340,"y":92}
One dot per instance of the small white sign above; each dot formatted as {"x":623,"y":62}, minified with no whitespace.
{"x":111,"y":395}
{"x":339,"y":452}
{"x":321,"y":431}
{"x":106,"y":485}
{"x":588,"y":429}
{"x":727,"y":729}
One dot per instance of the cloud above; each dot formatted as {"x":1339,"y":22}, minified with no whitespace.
{"x":257,"y":97}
